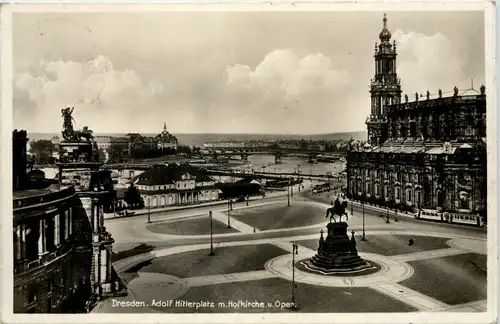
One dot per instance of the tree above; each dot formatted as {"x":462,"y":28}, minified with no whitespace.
{"x":102,"y":155}
{"x":42,"y":151}
{"x":115,"y":152}
{"x":133,"y":197}
{"x":184,"y":149}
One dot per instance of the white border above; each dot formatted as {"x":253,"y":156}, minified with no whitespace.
{"x":6,"y":124}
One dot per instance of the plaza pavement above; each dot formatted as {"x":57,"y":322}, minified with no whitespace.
{"x":394,"y":269}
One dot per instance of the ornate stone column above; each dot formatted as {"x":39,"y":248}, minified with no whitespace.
{"x":23,"y":241}
{"x":70,"y":221}
{"x":18,"y":243}
{"x":103,"y":266}
{"x":57,"y":230}
{"x":42,"y":244}
{"x":95,"y":215}
{"x":66,"y":225}
{"x":100,"y":215}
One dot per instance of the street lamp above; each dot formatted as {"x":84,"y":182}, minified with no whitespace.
{"x":229,"y":213}
{"x":387,"y":204}
{"x":288,"y":193}
{"x":295,"y":250}
{"x":363,"y":206}
{"x":211,"y":239}
{"x":149,"y":211}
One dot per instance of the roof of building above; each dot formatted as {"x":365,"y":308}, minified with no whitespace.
{"x":36,"y":192}
{"x":162,"y":175}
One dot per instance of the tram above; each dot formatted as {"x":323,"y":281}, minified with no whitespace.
{"x":452,"y":218}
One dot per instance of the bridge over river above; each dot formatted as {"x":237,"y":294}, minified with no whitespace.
{"x":270,"y":175}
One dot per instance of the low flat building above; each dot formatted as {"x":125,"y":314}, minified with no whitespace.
{"x":172,"y":185}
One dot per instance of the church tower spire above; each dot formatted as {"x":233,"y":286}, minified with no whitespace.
{"x":385,"y":87}
{"x":164,"y":126}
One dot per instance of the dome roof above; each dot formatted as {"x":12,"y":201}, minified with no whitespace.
{"x":385,"y":34}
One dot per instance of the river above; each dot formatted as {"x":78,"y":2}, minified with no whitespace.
{"x":288,"y":164}
{"x":291,"y":164}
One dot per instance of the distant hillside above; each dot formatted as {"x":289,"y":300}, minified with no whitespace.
{"x":199,"y":139}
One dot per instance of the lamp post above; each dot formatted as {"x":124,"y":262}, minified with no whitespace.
{"x":363,"y":206}
{"x":228,"y":214}
{"x":211,"y":239}
{"x":295,"y":250}
{"x":288,"y":196}
{"x":149,"y":211}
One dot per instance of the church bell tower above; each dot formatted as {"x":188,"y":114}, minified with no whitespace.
{"x":385,"y":87}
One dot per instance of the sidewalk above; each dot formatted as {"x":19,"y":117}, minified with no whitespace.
{"x":382,"y":210}
{"x":145,"y":211}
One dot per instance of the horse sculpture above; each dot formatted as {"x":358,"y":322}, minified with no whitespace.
{"x":338,"y":209}
{"x":85,"y":133}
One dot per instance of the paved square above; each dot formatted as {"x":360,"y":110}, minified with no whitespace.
{"x":225,"y":260}
{"x":194,"y":226}
{"x":453,"y":280}
{"x":276,"y":290}
{"x":391,"y":244}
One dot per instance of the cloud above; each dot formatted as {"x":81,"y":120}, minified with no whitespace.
{"x":286,"y":92}
{"x":95,"y":88}
{"x":283,"y":73}
{"x":430,"y":62}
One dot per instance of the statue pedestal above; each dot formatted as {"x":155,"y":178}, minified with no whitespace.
{"x":76,"y":164}
{"x":337,"y":253}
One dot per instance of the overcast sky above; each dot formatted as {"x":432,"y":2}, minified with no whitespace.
{"x":232,"y":72}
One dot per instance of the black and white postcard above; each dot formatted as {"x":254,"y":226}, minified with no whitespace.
{"x":277,"y":162}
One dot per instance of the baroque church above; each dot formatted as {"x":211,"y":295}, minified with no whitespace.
{"x":428,"y":154}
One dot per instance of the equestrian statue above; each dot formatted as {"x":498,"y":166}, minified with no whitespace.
{"x":338,"y":209}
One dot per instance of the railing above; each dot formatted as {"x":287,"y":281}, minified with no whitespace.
{"x":42,"y":199}
{"x":432,"y":102}
{"x":42,"y":261}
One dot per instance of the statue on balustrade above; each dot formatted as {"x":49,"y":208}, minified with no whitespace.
{"x":68,"y":132}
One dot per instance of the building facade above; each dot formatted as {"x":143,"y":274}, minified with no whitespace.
{"x":166,"y":140}
{"x":428,"y":154}
{"x":62,"y":252}
{"x":164,"y":186}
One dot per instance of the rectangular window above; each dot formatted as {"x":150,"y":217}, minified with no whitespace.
{"x":397,"y":193}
